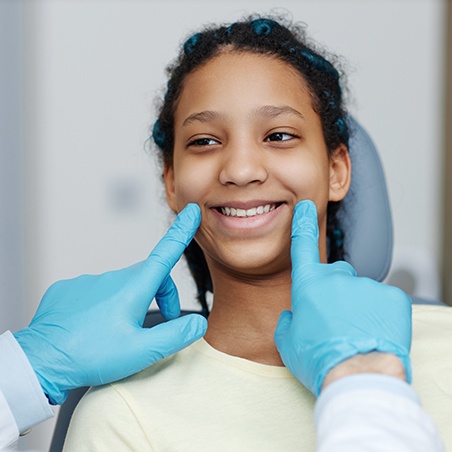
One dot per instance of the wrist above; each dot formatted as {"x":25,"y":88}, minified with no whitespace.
{"x":20,"y":385}
{"x":40,"y":357}
{"x":373,"y":363}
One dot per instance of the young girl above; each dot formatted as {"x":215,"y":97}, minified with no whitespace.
{"x":252,"y":122}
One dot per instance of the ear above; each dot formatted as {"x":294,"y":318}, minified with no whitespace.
{"x":340,"y":173}
{"x":168,"y":177}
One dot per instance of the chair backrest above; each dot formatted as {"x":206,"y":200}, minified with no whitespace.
{"x":366,"y":214}
{"x":366,"y":219}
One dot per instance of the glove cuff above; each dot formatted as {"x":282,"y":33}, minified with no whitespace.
{"x":334,"y":352}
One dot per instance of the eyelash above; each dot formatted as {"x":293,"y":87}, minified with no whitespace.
{"x":205,"y":141}
{"x":202,"y":142}
{"x":274,"y":134}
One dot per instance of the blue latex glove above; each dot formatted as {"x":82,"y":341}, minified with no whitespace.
{"x":88,"y":331}
{"x":336,"y":314}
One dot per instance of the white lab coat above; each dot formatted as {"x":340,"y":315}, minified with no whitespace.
{"x":22,"y":401}
{"x":9,"y":432}
{"x":370,"y":412}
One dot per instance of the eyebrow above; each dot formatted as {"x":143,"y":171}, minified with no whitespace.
{"x":202,"y":116}
{"x":269,"y":111}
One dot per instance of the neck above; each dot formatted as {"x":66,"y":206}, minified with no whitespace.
{"x":245,"y":314}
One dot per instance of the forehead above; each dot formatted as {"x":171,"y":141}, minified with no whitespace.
{"x":233,"y":79}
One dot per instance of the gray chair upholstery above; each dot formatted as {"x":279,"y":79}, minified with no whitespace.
{"x":366,"y":213}
{"x":366,"y":219}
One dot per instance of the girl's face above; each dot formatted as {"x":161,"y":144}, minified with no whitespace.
{"x":248,"y":147}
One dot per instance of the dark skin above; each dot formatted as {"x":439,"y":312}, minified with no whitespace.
{"x":255,"y":144}
{"x":234,"y":327}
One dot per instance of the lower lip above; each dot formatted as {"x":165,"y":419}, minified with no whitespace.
{"x":248,"y":223}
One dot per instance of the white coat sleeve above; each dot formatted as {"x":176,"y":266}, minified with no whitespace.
{"x":22,"y":401}
{"x":370,"y":412}
{"x":9,"y":433}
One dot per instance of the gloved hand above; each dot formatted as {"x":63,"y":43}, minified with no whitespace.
{"x":336,"y":314}
{"x":88,"y":331}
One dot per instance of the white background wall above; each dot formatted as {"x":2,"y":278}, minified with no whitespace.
{"x":94,"y":200}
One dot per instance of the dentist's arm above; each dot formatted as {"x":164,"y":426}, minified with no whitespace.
{"x":88,"y":331}
{"x":348,"y":339}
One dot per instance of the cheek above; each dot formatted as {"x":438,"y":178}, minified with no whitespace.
{"x":307,"y":179}
{"x":191,"y":183}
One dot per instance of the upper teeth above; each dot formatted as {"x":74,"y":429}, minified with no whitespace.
{"x":233,"y":212}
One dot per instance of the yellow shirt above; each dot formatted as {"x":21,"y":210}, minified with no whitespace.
{"x":431,"y":358}
{"x":203,"y":400}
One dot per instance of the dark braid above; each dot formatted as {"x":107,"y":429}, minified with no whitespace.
{"x":334,"y":233}
{"x":288,"y":43}
{"x":200,"y":272}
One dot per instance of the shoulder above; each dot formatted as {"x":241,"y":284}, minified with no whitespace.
{"x":99,"y":403}
{"x":431,"y":357}
{"x":432,"y":340}
{"x":103,"y":420}
{"x":431,"y":323}
{"x":117,"y":416}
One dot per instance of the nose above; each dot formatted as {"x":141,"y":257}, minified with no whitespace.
{"x":243,"y":164}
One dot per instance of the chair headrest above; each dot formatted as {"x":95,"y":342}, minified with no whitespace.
{"x":366,"y":214}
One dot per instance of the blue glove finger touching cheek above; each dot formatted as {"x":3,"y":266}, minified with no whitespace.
{"x":335,"y":314}
{"x":305,"y":235}
{"x":87,"y":330}
{"x":170,"y":248}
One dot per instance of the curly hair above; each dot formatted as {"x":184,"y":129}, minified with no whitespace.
{"x":288,"y":43}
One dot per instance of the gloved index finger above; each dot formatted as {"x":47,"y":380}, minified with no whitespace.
{"x":170,"y":248}
{"x":305,"y":235}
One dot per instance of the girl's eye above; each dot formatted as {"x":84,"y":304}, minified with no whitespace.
{"x":203,"y":142}
{"x":280,"y":136}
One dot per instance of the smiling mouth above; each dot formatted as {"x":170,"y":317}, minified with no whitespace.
{"x":245,"y":213}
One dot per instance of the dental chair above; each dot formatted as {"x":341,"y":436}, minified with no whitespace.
{"x":366,"y":216}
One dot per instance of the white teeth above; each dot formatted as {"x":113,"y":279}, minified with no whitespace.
{"x":232,"y":212}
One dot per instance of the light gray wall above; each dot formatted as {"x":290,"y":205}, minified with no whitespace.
{"x":94,"y":200}
{"x":11,"y":167}
{"x":98,"y":65}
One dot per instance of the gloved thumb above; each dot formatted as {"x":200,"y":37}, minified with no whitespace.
{"x":282,"y":329}
{"x":167,"y":338}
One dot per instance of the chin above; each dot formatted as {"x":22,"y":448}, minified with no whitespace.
{"x":255,"y":262}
